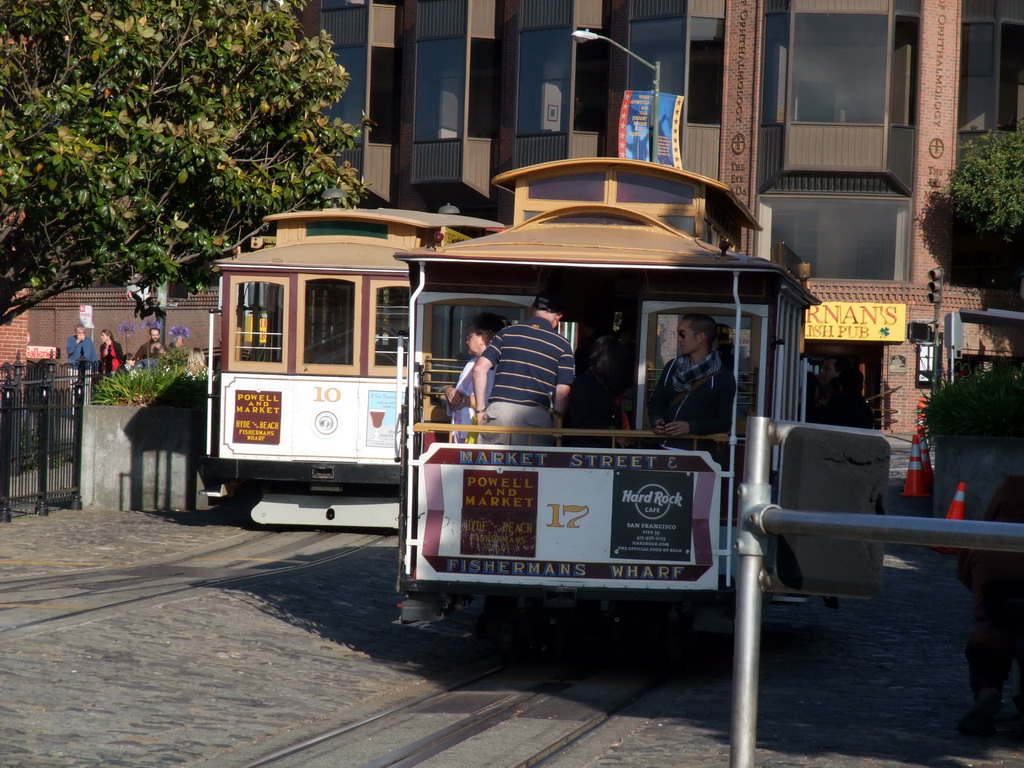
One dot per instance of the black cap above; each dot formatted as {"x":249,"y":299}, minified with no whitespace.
{"x":549,"y":301}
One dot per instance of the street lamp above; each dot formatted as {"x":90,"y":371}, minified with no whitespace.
{"x":585,"y":36}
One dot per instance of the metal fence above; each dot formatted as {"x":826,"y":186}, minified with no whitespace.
{"x":41,"y":412}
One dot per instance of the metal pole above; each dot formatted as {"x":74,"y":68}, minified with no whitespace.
{"x":6,"y":440}
{"x":973,"y":534}
{"x":209,"y":378}
{"x":79,"y":407}
{"x":655,"y":115}
{"x":755,"y":493}
{"x":43,"y":462}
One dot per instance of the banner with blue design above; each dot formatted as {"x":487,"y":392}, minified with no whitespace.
{"x":634,"y":127}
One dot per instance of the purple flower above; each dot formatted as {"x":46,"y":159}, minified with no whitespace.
{"x":150,"y":323}
{"x":126,"y":329}
{"x":180,"y":330}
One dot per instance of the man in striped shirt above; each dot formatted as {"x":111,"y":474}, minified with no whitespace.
{"x":533,"y":370}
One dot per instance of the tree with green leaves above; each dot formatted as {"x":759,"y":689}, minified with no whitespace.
{"x":986,"y":190}
{"x":140,"y":140}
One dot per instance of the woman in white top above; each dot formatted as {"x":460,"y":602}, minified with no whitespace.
{"x":459,"y":398}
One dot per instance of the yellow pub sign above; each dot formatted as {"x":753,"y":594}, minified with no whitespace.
{"x":856,"y":321}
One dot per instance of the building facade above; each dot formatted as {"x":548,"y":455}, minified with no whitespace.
{"x":835,"y":121}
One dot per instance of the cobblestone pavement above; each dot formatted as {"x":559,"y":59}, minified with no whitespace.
{"x":214,"y":679}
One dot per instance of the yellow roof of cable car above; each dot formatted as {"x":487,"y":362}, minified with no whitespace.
{"x":600,"y":235}
{"x":714,"y":190}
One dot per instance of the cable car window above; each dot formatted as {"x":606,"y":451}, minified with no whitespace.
{"x":596,"y":218}
{"x":392,"y":319}
{"x":687,"y":224}
{"x":330,"y":316}
{"x":667,"y":345}
{"x":449,"y":323}
{"x":588,"y":187}
{"x":346,"y":229}
{"x":634,"y":188}
{"x":259,"y":318}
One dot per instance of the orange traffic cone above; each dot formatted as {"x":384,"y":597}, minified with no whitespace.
{"x":914,"y":485}
{"x":926,"y":465}
{"x":956,"y":512}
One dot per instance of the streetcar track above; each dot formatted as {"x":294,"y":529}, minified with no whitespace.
{"x":497,"y":708}
{"x":155,"y":576}
{"x":55,"y":580}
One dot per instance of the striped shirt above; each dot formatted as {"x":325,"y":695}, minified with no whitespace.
{"x":529,"y":360}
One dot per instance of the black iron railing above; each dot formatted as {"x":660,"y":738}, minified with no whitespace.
{"x":41,"y":414}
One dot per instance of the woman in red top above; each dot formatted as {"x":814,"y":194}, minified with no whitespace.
{"x":111,"y":355}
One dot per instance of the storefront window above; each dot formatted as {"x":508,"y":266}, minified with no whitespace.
{"x":839,"y":68}
{"x":845,"y":239}
{"x":977,"y":78}
{"x":440,"y":88}
{"x":662,"y":40}
{"x":776,"y":60}
{"x":707,"y":56}
{"x":353,"y":102}
{"x":545,"y":61}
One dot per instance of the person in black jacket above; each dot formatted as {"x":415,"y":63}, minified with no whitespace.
{"x":846,"y":407}
{"x":695,"y":393}
{"x":595,"y":401}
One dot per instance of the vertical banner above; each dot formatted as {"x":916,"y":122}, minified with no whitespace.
{"x":670,"y":123}
{"x":635,"y":130}
{"x":635,"y":125}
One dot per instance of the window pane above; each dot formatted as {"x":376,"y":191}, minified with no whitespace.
{"x":843,"y":239}
{"x":346,"y":228}
{"x":484,"y":88}
{"x":353,"y":101}
{"x":839,"y":68}
{"x":585,"y":186}
{"x":392,"y":319}
{"x":776,"y":58}
{"x":1011,"y":77}
{"x":383,"y":104}
{"x":977,"y":82}
{"x":707,"y":56}
{"x":590,"y":111}
{"x":330,"y":317}
{"x":545,"y":58}
{"x":440,"y":88}
{"x":633,"y":188}
{"x":903,"y":94}
{"x":259,"y":315}
{"x":661,"y":40}
{"x":449,"y":323}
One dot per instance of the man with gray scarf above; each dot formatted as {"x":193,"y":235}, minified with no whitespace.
{"x":695,"y":393}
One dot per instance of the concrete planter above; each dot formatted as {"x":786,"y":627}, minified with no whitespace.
{"x":142,"y":459}
{"x":980,"y":462}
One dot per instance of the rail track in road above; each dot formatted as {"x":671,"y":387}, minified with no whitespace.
{"x":35,"y":604}
{"x":506,"y":717}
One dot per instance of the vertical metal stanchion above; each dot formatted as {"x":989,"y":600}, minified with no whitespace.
{"x":755,"y":492}
{"x":43,"y":429}
{"x":6,"y":439}
{"x":79,"y":408}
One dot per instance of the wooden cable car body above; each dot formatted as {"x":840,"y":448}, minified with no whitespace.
{"x":311,"y":331}
{"x":544,"y":528}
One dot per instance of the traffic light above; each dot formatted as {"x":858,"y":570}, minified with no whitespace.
{"x":935,"y":280}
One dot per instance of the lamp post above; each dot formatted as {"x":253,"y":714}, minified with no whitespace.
{"x":585,"y":36}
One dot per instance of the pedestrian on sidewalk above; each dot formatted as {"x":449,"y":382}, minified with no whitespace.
{"x":80,"y":348}
{"x":994,"y":578}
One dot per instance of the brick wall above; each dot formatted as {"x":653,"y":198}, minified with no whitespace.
{"x":14,"y":339}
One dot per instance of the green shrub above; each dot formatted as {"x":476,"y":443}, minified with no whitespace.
{"x":984,"y":404}
{"x":159,"y":385}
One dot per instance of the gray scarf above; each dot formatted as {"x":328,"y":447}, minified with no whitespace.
{"x":683,"y":373}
